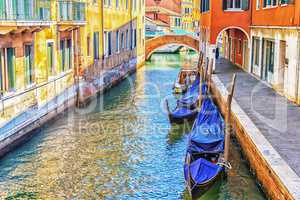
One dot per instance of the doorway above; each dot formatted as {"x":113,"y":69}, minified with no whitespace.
{"x":268,"y":66}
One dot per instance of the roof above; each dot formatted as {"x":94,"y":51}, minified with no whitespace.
{"x":161,"y":10}
{"x":157,"y":22}
{"x":172,"y":5}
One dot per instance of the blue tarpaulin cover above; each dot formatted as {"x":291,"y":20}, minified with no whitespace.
{"x":190,"y":98}
{"x":201,"y":171}
{"x":186,"y":106}
{"x":207,"y":135}
{"x":183,"y":112}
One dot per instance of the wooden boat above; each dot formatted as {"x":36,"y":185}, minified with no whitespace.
{"x":186,"y":107}
{"x":207,"y":152}
{"x":180,"y":86}
{"x":202,"y":166}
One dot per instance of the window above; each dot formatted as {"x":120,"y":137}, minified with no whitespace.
{"x":88,"y":46}
{"x":63,"y":55}
{"x":134,"y":38}
{"x":204,"y":6}
{"x":29,"y":64}
{"x":127,"y":46}
{"x":7,"y":69}
{"x":282,"y":2}
{"x":257,"y":4}
{"x":107,"y":3}
{"x":122,"y":40}
{"x":135,"y":2}
{"x":104,"y":43}
{"x":235,"y":4}
{"x":126,"y":4}
{"x":255,"y":51}
{"x":50,"y":58}
{"x":269,"y":3}
{"x":109,"y":43}
{"x":117,"y":42}
{"x":96,"y":44}
{"x":270,"y":47}
{"x":117,"y":3}
{"x":69,"y":53}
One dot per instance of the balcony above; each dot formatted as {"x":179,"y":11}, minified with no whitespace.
{"x":71,"y":12}
{"x":25,"y":12}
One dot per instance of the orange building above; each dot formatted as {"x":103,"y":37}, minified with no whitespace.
{"x":275,"y":47}
{"x":260,"y":36}
{"x":226,"y":26}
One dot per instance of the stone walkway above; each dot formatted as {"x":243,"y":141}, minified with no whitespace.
{"x":277,"y":118}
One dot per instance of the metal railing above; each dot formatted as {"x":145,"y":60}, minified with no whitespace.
{"x":25,"y":10}
{"x":13,"y":105}
{"x":71,"y":10}
{"x":108,"y":63}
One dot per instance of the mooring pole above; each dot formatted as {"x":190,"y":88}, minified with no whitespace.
{"x":200,"y":88}
{"x":210,"y":69}
{"x":228,"y":118}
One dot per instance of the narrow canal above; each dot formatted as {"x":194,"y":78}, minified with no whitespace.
{"x":120,"y":147}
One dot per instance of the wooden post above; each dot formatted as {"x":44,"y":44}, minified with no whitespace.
{"x":200,"y":60}
{"x":209,"y":75}
{"x":228,"y":119}
{"x":200,"y":89}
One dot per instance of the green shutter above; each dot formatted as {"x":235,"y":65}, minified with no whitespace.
{"x":245,"y":4}
{"x":2,"y":9}
{"x":69,"y":53}
{"x":14,"y":9}
{"x":11,"y":67}
{"x":50,"y":57}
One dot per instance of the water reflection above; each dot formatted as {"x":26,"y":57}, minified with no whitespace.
{"x":120,"y":147}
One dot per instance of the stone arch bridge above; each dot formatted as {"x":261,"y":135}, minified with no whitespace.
{"x":184,"y":40}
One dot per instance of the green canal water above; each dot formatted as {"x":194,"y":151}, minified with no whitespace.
{"x":120,"y":147}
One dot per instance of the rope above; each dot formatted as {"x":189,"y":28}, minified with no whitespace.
{"x":225,"y":164}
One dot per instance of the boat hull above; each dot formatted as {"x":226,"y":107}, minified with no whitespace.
{"x":181,"y":120}
{"x":200,"y":189}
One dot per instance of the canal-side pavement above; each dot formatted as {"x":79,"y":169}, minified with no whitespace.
{"x":268,"y":128}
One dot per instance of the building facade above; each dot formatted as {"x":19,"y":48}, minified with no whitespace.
{"x":260,"y":36}
{"x":51,"y":49}
{"x":275,"y":46}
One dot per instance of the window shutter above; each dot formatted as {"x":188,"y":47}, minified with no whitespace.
{"x":245,"y":4}
{"x":224,"y":4}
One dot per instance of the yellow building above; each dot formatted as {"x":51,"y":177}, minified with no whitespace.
{"x":124,"y":35}
{"x":190,"y":15}
{"x":49,"y":47}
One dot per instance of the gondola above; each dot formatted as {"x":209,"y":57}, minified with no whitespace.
{"x":180,"y":87}
{"x":204,"y":163}
{"x":186,"y":107}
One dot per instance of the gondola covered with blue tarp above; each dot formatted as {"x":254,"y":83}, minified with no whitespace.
{"x":186,"y":108}
{"x":207,"y":135}
{"x":205,"y":144}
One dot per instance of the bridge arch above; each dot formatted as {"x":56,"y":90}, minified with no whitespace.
{"x":183,"y":40}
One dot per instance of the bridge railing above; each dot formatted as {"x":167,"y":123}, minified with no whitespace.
{"x":153,"y":34}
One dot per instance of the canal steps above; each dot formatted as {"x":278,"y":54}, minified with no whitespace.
{"x":277,"y":174}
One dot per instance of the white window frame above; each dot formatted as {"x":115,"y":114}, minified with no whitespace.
{"x":234,"y":8}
